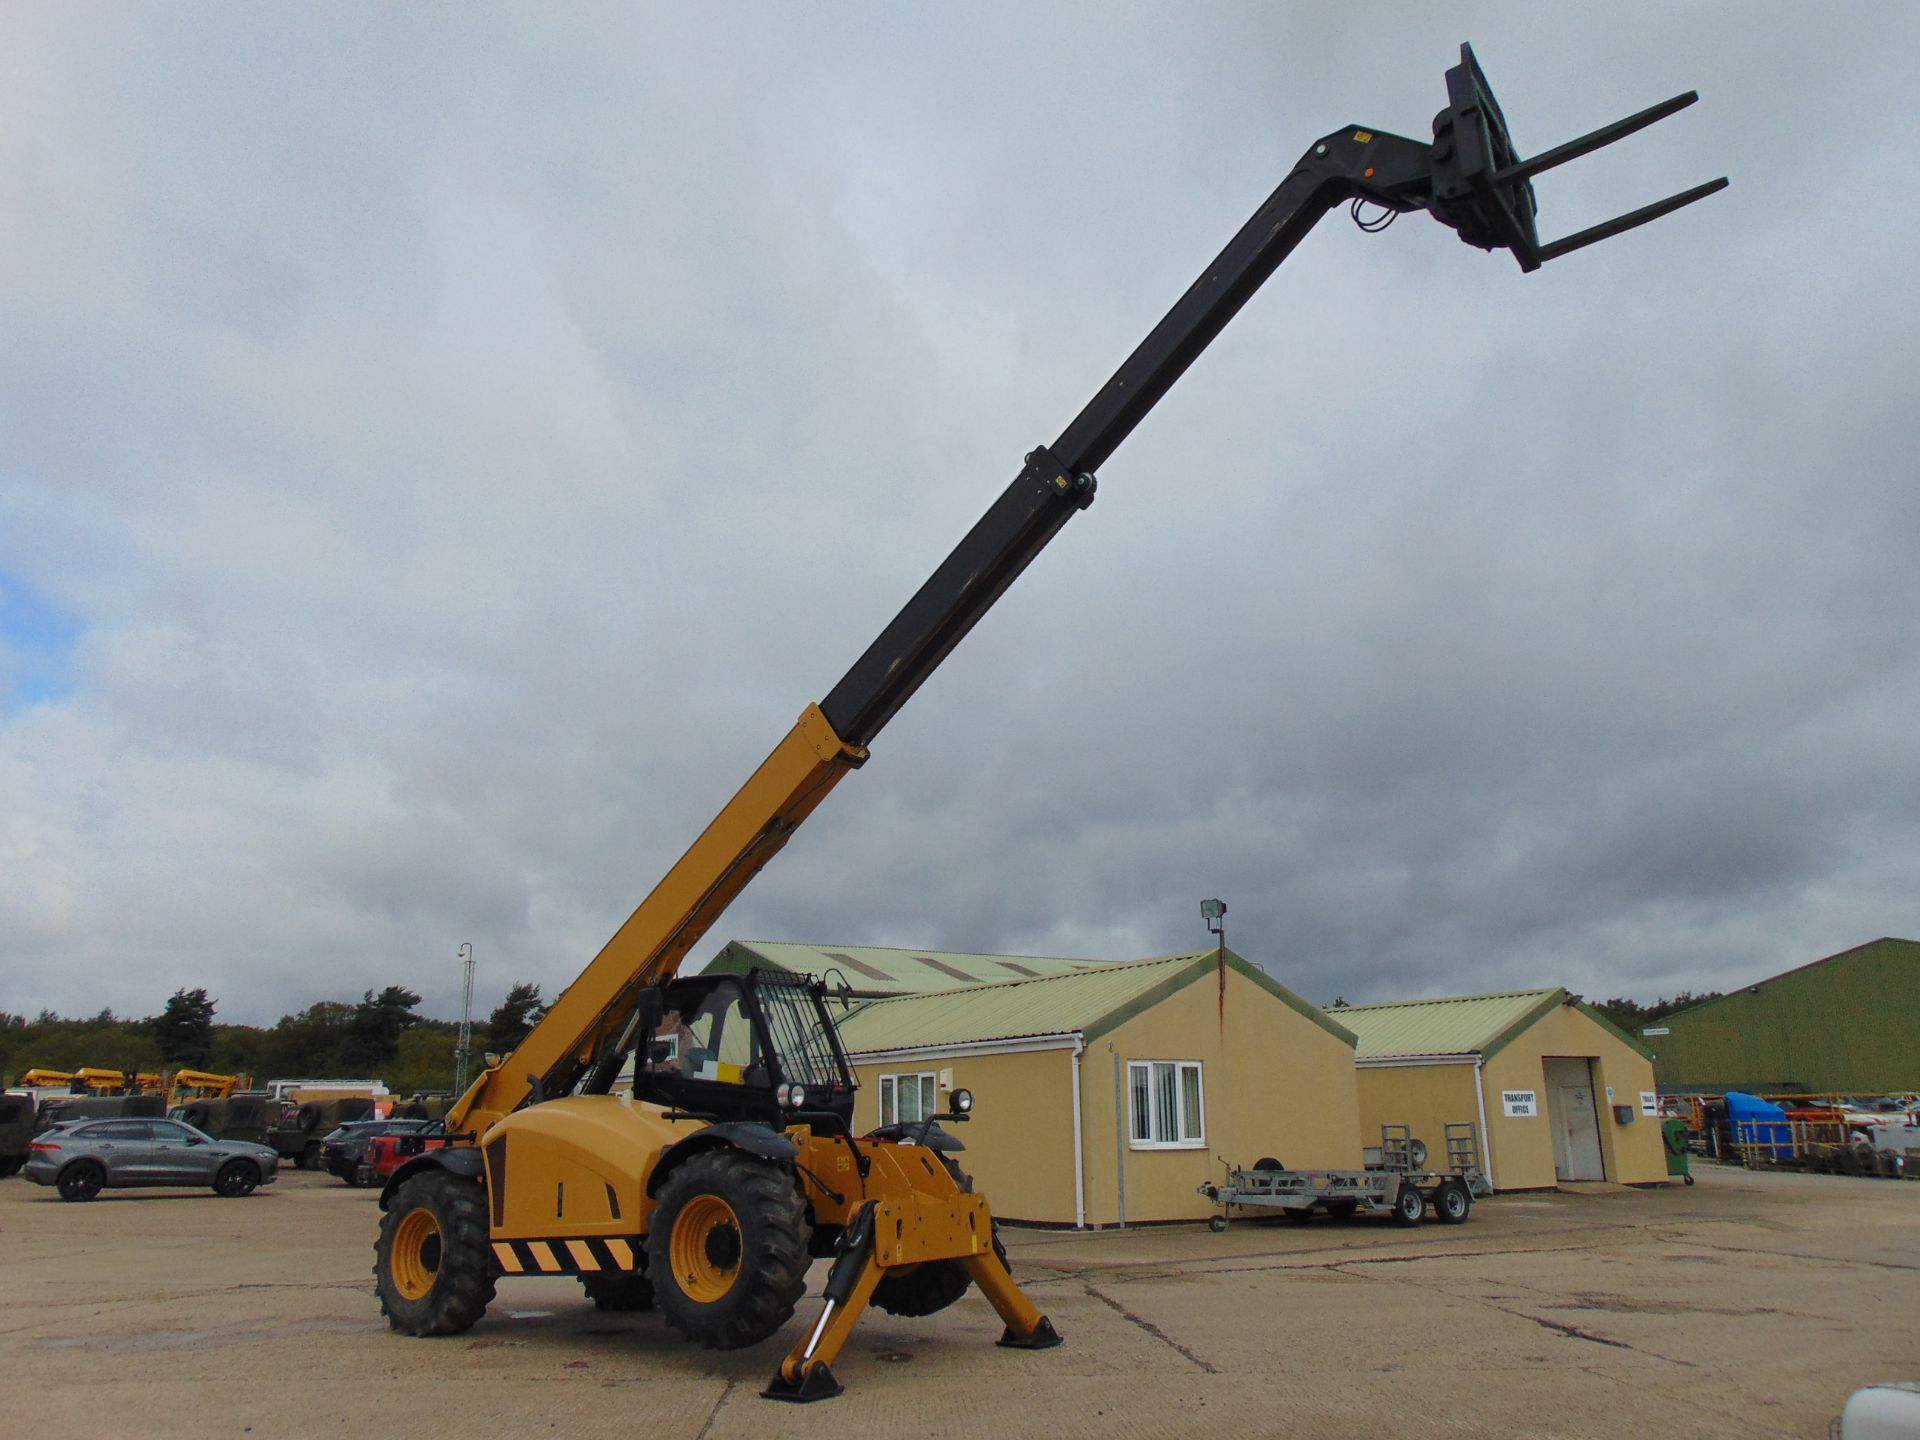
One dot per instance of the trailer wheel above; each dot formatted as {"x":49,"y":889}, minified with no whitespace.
{"x":1299,"y":1216}
{"x":728,"y":1249}
{"x":431,"y":1265}
{"x":1218,"y":1224}
{"x":1342,"y":1209}
{"x":1452,"y":1203}
{"x":615,"y":1290}
{"x":1409,"y":1206}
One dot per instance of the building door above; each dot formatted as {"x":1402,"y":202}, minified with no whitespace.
{"x":1574,"y":1113}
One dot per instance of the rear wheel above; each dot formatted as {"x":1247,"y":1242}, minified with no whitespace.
{"x":1452,"y":1203}
{"x":430,"y":1265}
{"x":237,"y":1178}
{"x":617,"y":1291}
{"x":10,"y":1164}
{"x":81,"y":1180}
{"x":728,"y":1250}
{"x":311,"y":1157}
{"x":925,"y":1289}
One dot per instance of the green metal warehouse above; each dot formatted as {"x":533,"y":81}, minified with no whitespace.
{"x":1848,"y":1024}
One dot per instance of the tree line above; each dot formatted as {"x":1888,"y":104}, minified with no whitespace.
{"x":382,"y":1035}
{"x":1630,"y":1015}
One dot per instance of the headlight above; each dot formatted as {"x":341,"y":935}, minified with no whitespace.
{"x":962,"y":1102}
{"x":793,"y":1096}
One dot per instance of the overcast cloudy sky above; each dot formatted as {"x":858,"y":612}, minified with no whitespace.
{"x":442,"y":448}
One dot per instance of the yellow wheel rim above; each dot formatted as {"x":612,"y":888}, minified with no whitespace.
{"x":415,"y":1261}
{"x":705,"y":1248}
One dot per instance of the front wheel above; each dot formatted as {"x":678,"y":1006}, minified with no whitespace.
{"x":236,"y":1178}
{"x":728,"y":1249}
{"x":430,"y":1265}
{"x":81,"y":1180}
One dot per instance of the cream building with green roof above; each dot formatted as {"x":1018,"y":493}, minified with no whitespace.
{"x":1560,"y":1094}
{"x":1104,"y":1094}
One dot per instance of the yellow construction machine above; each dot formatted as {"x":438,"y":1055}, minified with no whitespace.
{"x":93,"y":1080}
{"x":734,"y":1162}
{"x":202,"y":1085}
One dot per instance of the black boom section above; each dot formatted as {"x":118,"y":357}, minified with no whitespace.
{"x":1042,"y":497}
{"x":1470,"y":179}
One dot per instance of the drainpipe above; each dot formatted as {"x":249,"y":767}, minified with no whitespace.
{"x":1119,"y":1134}
{"x":1486,"y":1138}
{"x":1079,"y":1148}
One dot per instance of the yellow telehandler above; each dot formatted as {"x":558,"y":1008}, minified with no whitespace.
{"x":734,"y":1162}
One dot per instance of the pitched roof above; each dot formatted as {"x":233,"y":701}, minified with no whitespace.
{"x":1463,"y":1025}
{"x":875,"y":971}
{"x":1088,"y":1002}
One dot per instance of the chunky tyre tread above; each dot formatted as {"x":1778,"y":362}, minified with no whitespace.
{"x":618,"y":1292}
{"x":927,"y":1289}
{"x":463,"y":1286}
{"x":773,"y":1262}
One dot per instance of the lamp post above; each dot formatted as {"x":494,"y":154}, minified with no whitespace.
{"x":1214,"y":912}
{"x":464,"y":1048}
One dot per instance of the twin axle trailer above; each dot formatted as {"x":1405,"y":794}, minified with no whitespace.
{"x":1396,"y":1181}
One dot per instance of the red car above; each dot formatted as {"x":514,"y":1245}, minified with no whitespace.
{"x":387,"y":1153}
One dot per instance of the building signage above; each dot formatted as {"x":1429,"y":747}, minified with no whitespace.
{"x":1657,"y":1030}
{"x":1649,"y":1103}
{"x":1520,"y":1103}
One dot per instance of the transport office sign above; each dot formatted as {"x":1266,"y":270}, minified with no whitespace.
{"x":1524,"y":1104}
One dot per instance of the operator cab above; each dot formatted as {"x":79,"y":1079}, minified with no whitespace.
{"x":745,"y":1047}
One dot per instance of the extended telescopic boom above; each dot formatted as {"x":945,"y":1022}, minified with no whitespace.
{"x":1469,"y":178}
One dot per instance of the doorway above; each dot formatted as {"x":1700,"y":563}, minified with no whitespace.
{"x":1573,"y":1110}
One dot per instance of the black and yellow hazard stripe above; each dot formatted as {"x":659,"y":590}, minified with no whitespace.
{"x":589,"y":1256}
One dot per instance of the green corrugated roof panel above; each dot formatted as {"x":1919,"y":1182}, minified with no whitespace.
{"x":1089,"y":1001}
{"x":876,"y":970}
{"x":1463,"y":1025}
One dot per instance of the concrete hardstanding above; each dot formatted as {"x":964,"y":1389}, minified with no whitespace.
{"x":1749,"y":1306}
{"x":1846,"y":1024}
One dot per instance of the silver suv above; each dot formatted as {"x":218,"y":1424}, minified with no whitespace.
{"x":80,"y":1158}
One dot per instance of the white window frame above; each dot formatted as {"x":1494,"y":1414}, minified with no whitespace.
{"x":1166,"y":1132}
{"x":926,"y":1086}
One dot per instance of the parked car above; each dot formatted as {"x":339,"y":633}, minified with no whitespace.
{"x":80,"y":1158}
{"x":301,"y":1131}
{"x":387,"y":1153}
{"x":344,"y":1150}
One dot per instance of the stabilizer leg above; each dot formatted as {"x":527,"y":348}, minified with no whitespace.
{"x":1027,"y":1328}
{"x":807,"y":1374}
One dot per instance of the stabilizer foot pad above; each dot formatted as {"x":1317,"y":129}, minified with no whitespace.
{"x":1044,"y":1337}
{"x":817,"y":1383}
